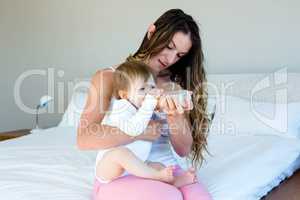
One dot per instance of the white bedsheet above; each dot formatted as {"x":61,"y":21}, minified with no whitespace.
{"x":48,"y":165}
{"x":247,"y":167}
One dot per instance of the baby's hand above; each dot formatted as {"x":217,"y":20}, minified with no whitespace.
{"x":156,"y":93}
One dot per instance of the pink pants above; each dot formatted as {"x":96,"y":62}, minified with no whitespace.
{"x":134,"y":188}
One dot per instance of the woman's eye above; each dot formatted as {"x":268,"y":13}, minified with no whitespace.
{"x":169,"y":47}
{"x":152,"y":87}
{"x":142,"y":89}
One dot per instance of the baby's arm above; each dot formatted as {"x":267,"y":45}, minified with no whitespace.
{"x":136,"y":124}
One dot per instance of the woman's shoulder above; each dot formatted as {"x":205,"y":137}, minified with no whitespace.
{"x":104,"y":73}
{"x":111,"y":68}
{"x":105,"y":70}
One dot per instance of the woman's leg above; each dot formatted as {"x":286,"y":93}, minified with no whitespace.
{"x":195,"y":191}
{"x":135,"y":188}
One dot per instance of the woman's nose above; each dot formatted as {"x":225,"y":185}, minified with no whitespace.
{"x":171,"y":58}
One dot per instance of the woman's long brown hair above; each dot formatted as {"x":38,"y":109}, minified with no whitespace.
{"x":189,"y":71}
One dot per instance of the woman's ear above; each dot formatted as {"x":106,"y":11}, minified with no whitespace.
{"x":123,"y":94}
{"x":150,"y":31}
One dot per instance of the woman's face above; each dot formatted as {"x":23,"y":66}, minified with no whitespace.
{"x":179,"y":46}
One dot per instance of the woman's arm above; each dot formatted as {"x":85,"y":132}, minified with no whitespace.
{"x":180,"y":134}
{"x":91,"y":135}
{"x":179,"y":123}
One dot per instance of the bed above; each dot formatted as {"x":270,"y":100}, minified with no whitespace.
{"x":242,"y":165}
{"x":48,"y":165}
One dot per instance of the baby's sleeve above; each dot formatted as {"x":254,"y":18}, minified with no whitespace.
{"x":135,"y":124}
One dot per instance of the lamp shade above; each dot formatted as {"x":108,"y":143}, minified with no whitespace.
{"x":45,"y":100}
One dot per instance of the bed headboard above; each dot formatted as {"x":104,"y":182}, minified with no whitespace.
{"x":262,"y":86}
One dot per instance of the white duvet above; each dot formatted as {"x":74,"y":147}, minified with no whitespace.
{"x":48,"y":165}
{"x":246,"y":167}
{"x":45,"y":165}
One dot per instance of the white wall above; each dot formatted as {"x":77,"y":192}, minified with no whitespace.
{"x":79,"y":37}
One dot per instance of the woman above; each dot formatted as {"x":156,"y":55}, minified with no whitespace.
{"x":172,"y":49}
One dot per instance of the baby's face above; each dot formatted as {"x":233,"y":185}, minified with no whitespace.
{"x":138,"y":90}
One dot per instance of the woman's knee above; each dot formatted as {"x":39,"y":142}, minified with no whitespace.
{"x":195,"y":191}
{"x":130,"y":187}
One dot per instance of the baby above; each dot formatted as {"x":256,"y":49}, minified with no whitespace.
{"x":134,"y":100}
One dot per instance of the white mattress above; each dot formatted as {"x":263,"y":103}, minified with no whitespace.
{"x":48,"y":165}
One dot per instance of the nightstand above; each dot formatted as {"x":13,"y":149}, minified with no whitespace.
{"x":289,"y":189}
{"x":14,"y":134}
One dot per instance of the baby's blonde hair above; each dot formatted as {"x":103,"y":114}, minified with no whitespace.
{"x":127,"y":73}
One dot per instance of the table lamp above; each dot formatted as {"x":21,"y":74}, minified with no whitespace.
{"x":44,"y":101}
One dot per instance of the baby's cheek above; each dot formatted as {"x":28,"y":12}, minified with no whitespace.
{"x":140,"y":100}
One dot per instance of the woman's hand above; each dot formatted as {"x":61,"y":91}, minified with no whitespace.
{"x":169,"y":101}
{"x":156,"y":93}
{"x":170,"y":104}
{"x":152,"y":132}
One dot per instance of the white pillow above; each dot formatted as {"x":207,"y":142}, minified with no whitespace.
{"x":72,"y":114}
{"x":235,"y":115}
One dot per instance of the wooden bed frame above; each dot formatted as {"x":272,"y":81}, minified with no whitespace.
{"x":289,"y":189}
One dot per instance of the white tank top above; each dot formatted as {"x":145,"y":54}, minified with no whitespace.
{"x":161,"y":149}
